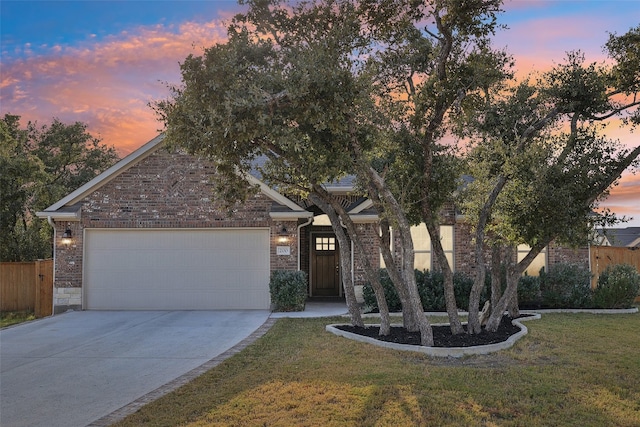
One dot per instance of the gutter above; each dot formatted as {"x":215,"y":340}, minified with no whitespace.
{"x":298,"y":235}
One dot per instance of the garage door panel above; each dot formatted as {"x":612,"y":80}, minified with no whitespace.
{"x":176,"y":269}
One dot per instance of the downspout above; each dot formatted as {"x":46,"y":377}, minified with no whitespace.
{"x":53,"y":225}
{"x":298,"y":235}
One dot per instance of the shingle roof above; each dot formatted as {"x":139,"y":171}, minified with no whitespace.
{"x":624,"y":237}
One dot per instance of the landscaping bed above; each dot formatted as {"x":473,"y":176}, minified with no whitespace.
{"x":442,"y":336}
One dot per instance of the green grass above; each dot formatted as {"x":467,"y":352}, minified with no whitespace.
{"x":571,"y":370}
{"x":8,"y":318}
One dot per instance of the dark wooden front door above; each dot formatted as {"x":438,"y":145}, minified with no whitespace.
{"x":325,"y":265}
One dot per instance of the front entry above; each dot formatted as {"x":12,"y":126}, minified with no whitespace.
{"x":325,"y":266}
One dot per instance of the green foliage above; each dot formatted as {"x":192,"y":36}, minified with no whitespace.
{"x":39,"y":165}
{"x":288,"y":290}
{"x":390,"y":293}
{"x":617,"y":287}
{"x":430,"y":288}
{"x":529,"y":295}
{"x":565,"y":286}
{"x":8,"y":318}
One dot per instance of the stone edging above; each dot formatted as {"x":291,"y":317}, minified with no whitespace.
{"x":441,"y":351}
{"x":132,"y":407}
{"x":585,"y":310}
{"x":466,"y":351}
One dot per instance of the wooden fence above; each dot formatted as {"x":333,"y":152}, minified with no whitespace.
{"x":603,"y":256}
{"x":27,"y":286}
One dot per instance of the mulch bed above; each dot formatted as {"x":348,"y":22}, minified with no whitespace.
{"x":442,"y":336}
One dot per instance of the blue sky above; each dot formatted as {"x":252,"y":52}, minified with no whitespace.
{"x":103,"y":62}
{"x":54,"y":22}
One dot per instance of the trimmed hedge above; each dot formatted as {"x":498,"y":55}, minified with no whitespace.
{"x":430,"y":288}
{"x":617,"y":287}
{"x":563,"y":286}
{"x":566,"y":286}
{"x":288,"y":290}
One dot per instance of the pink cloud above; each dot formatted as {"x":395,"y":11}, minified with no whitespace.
{"x":623,"y":199}
{"x":106,"y":84}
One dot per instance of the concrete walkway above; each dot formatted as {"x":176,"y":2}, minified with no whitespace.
{"x":316,"y":309}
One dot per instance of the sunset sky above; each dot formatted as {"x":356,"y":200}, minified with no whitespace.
{"x":103,"y":62}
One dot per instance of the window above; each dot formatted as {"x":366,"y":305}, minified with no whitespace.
{"x":325,"y":243}
{"x":538,"y":262}
{"x":423,"y":248}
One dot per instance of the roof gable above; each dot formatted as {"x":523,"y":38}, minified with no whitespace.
{"x":60,"y":208}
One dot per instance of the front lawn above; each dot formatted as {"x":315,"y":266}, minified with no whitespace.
{"x":571,"y":370}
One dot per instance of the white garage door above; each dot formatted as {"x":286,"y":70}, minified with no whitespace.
{"x":159,"y":269}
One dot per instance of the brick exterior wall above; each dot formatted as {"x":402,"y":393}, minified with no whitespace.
{"x":173,"y":190}
{"x":164,"y":190}
{"x":368,"y":235}
{"x":558,"y":254}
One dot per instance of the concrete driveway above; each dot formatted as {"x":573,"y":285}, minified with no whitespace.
{"x":77,"y":367}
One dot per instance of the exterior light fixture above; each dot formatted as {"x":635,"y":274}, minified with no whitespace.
{"x":66,"y":237}
{"x":283,"y":236}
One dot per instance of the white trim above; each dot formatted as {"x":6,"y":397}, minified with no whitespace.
{"x":364,"y":219}
{"x":273,"y":194}
{"x":63,"y":216}
{"x":291,"y":215}
{"x":131,"y":160}
{"x":362,"y":206}
{"x":300,"y":227}
{"x":339,"y":189}
{"x":634,"y":243}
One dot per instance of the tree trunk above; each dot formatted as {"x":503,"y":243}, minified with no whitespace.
{"x":513,"y":277}
{"x":496,"y":274}
{"x":406,"y":259}
{"x":449,"y":292}
{"x":474,"y":326}
{"x":512,"y":305}
{"x":409,"y":320}
{"x":379,"y":192}
{"x":345,"y":261}
{"x":370,"y":272}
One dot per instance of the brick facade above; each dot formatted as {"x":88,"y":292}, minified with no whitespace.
{"x":169,"y":191}
{"x":173,"y":190}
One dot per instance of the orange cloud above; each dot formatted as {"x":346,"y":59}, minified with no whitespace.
{"x":106,"y":84}
{"x":624,"y":199}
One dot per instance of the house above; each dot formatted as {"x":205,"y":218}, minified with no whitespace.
{"x":621,"y":237}
{"x":149,"y":234}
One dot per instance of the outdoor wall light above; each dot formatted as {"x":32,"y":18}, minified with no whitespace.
{"x":283,"y":236}
{"x":66,"y":237}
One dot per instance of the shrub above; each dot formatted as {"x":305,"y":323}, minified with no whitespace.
{"x":288,"y":290}
{"x":462,"y":285}
{"x":390,"y":293}
{"x":617,"y":287}
{"x":430,"y":288}
{"x":529,"y":291}
{"x":565,"y":286}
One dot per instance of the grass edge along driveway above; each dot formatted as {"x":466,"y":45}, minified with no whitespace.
{"x":570,"y":370}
